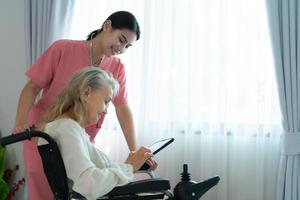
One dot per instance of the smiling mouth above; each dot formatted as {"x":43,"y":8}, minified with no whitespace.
{"x":115,"y":52}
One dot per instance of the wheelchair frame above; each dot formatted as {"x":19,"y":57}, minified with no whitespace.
{"x":154,"y":188}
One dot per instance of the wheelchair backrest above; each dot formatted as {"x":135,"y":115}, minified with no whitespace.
{"x":54,"y":170}
{"x":52,"y":161}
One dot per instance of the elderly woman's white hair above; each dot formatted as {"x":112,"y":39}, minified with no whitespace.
{"x":70,"y":98}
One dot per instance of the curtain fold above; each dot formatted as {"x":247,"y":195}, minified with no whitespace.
{"x":45,"y":22}
{"x":284,"y":25}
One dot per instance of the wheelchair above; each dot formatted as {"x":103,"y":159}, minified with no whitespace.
{"x":153,"y":188}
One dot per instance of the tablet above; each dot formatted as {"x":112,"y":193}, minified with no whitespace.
{"x":155,"y":148}
{"x":159,"y":145}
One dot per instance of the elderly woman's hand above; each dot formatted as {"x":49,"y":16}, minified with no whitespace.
{"x":138,"y":158}
{"x":152,"y":164}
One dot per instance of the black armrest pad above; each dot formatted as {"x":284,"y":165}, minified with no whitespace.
{"x":142,"y":186}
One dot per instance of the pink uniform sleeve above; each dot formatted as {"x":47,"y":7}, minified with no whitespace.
{"x":42,"y":71}
{"x":121,"y":97}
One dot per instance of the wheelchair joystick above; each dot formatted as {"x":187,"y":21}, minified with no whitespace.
{"x":183,"y":189}
{"x":191,"y":190}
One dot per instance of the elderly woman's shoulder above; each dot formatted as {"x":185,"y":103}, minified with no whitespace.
{"x":63,"y":124}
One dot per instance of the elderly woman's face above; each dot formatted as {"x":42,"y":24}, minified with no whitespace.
{"x":97,"y":103}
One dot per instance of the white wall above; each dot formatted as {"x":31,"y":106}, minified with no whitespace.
{"x":12,"y":78}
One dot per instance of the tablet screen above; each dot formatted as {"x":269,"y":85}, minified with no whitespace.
{"x":159,"y":145}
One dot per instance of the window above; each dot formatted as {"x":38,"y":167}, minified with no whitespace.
{"x":198,"y":64}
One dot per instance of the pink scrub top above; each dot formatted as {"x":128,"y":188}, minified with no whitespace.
{"x":57,"y":64}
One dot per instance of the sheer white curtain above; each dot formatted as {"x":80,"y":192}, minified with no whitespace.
{"x":202,"y":73}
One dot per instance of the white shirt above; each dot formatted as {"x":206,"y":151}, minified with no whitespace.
{"x":90,"y":169}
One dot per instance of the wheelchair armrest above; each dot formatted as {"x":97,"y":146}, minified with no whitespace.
{"x":142,"y":186}
{"x":201,"y":188}
{"x":137,"y":187}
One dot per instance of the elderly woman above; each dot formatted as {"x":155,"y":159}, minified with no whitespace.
{"x":81,"y":103}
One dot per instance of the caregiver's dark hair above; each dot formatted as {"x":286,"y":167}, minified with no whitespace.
{"x":120,"y":20}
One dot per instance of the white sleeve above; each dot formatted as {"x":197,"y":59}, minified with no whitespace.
{"x":90,"y":179}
